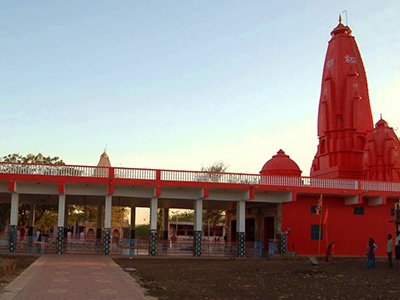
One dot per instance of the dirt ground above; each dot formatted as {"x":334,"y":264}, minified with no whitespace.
{"x":170,"y":278}
{"x":22,"y":262}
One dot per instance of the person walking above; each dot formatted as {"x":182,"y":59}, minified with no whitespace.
{"x":371,"y":247}
{"x":397,"y":245}
{"x":390,"y":250}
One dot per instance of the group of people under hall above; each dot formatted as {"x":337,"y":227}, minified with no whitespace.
{"x":371,"y":247}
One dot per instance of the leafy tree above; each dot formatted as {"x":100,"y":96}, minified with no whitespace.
{"x":217,"y":167}
{"x":212,"y":173}
{"x":212,"y":217}
{"x":41,"y":210}
{"x":32,"y":158}
{"x":183,"y":216}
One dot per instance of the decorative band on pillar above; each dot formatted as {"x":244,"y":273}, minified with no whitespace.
{"x":12,"y":238}
{"x":60,"y":239}
{"x":283,"y":242}
{"x":241,"y":248}
{"x":153,"y":243}
{"x":197,"y":243}
{"x":107,"y":234}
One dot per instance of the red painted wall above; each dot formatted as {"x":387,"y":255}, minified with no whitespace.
{"x":350,"y":231}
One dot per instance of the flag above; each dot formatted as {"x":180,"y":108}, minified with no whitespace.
{"x":326,"y":216}
{"x":318,"y":209}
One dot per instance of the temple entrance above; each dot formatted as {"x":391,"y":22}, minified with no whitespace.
{"x":269,"y":232}
{"x":250,"y":230}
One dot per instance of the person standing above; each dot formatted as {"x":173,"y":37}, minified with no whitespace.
{"x":371,"y":247}
{"x":397,"y":245}
{"x":390,"y":250}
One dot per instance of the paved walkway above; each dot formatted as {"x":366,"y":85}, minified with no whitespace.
{"x":73,"y":277}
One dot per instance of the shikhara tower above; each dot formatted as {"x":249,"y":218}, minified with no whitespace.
{"x":344,"y":114}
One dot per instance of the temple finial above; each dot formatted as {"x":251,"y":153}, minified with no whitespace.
{"x":340,"y":18}
{"x":381,"y":116}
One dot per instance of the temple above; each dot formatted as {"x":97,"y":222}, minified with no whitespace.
{"x":352,"y":192}
{"x":344,"y":114}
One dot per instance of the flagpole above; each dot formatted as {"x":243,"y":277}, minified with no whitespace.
{"x":320,"y":232}
{"x":326,"y":226}
{"x":320,"y":227}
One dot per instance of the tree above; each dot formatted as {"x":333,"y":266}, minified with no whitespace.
{"x":183,"y":216}
{"x":212,"y":217}
{"x":213,"y":172}
{"x":32,"y":158}
{"x":41,"y":211}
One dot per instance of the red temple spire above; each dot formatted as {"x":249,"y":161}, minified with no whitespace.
{"x":344,"y":115}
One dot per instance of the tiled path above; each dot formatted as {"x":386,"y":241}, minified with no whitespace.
{"x":73,"y":277}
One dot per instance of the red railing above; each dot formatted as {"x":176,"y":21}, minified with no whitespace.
{"x":193,"y":176}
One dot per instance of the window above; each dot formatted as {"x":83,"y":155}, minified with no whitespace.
{"x":316,"y":232}
{"x":358,"y":210}
{"x":313,"y":209}
{"x":392,"y":212}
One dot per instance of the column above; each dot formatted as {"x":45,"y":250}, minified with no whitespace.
{"x":66,"y":221}
{"x":133,"y":222}
{"x":153,"y":227}
{"x":107,"y":224}
{"x":99,"y":221}
{"x":61,"y":221}
{"x":240,"y":227}
{"x":198,"y":227}
{"x":13,"y":221}
{"x":133,"y":232}
{"x":31,"y":231}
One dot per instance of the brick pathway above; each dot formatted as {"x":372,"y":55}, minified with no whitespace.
{"x":74,"y":277}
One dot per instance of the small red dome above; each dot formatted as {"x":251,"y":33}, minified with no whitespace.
{"x":381,"y":123}
{"x":281,"y":165}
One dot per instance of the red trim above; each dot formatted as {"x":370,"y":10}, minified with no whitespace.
{"x":206,"y":192}
{"x":61,"y":187}
{"x":157,"y":191}
{"x":11,"y":186}
{"x":153,"y":177}
{"x":251,"y":193}
{"x":110,"y":188}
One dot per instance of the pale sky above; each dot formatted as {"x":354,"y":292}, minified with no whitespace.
{"x":181,"y":84}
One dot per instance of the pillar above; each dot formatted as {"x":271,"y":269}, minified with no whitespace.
{"x":240,"y":227}
{"x":61,"y":222}
{"x":13,"y":221}
{"x":107,"y":224}
{"x":153,"y":227}
{"x":198,"y":227}
{"x":166,"y":223}
{"x":132,"y":231}
{"x":66,"y":221}
{"x":133,"y":222}
{"x":99,"y":221}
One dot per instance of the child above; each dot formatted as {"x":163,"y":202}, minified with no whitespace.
{"x":371,"y":247}
{"x":329,"y":252}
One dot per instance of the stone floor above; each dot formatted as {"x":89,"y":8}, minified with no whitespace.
{"x":74,"y":277}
